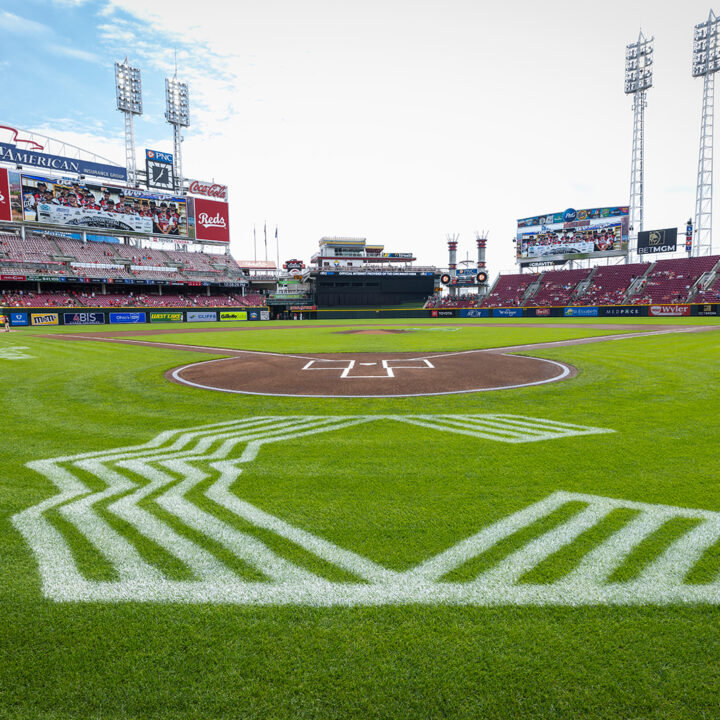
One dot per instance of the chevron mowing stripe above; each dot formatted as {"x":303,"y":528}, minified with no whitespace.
{"x":165,"y":470}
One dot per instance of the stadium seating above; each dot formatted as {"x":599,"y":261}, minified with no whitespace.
{"x":609,"y":284}
{"x":557,"y":287}
{"x":670,"y":281}
{"x":459,"y":301}
{"x":509,"y":290}
{"x":30,"y":299}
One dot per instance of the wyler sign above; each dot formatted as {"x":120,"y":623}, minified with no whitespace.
{"x":651,"y":242}
{"x":5,"y":210}
{"x":212,"y":221}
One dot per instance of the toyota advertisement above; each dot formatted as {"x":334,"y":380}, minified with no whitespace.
{"x":572,"y":235}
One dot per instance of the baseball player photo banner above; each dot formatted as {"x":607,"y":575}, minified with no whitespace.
{"x":90,"y":206}
{"x":5,"y":211}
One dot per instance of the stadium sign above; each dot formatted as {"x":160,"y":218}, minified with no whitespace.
{"x":18,"y":318}
{"x":210,"y":190}
{"x":84,"y":318}
{"x":166,"y":317}
{"x":474,"y":313}
{"x":212,"y":221}
{"x":621,"y":311}
{"x":44,"y":319}
{"x":127,"y":317}
{"x":651,"y":242}
{"x":669,"y":310}
{"x":234,"y":315}
{"x":5,"y":207}
{"x":197,"y":316}
{"x":708,"y":310}
{"x":11,"y":154}
{"x":581,"y":311}
{"x":13,"y":278}
{"x":508,"y":312}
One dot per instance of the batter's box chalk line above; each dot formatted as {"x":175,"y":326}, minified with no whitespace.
{"x":169,"y":466}
{"x":349,"y":368}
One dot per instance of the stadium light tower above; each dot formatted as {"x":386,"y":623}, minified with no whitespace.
{"x":706,"y":62}
{"x":128,"y":90}
{"x":638,"y":80}
{"x":177,"y":113}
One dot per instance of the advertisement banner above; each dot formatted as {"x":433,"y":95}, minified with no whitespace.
{"x":18,"y":318}
{"x":44,"y":319}
{"x":669,"y":310}
{"x":127,"y":317}
{"x":707,"y":310}
{"x":166,"y":317}
{"x":440,"y":312}
{"x":160,"y":170}
{"x":628,"y":311}
{"x":507,"y":312}
{"x":198,"y":316}
{"x":212,"y":220}
{"x":14,"y":278}
{"x":542,"y":312}
{"x":5,"y":211}
{"x":211,"y":190}
{"x":264,"y":314}
{"x":95,"y":206}
{"x":12,"y":154}
{"x":581,"y":312}
{"x":651,"y":242}
{"x":234,"y":315}
{"x":474,"y":313}
{"x":84,"y":318}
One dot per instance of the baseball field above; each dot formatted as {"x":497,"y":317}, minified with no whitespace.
{"x":361,"y":519}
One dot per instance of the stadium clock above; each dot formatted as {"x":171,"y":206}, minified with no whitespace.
{"x":159,"y":175}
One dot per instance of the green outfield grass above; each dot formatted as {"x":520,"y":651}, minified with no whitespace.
{"x":393,"y":493}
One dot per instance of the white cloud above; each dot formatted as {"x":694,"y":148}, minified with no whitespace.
{"x":21,"y":26}
{"x":75,"y":53}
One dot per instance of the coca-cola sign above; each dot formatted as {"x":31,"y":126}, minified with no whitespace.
{"x":669,"y":310}
{"x":5,"y":210}
{"x":211,"y":190}
{"x":212,"y":222}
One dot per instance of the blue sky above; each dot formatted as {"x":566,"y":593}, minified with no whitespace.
{"x":396,"y":120}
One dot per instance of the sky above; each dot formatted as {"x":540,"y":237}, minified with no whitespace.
{"x":395,"y":120}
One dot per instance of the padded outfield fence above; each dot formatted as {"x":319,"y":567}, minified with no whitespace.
{"x":28,"y":316}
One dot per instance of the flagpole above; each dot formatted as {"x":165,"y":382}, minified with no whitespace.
{"x":265,"y":232}
{"x":277,"y":247}
{"x":254,"y":244}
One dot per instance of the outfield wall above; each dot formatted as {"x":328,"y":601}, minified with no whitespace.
{"x":48,"y":317}
{"x":38,"y":317}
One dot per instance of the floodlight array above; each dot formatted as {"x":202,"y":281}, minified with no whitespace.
{"x":706,"y":54}
{"x":177,"y":102}
{"x":638,"y":65}
{"x":128,"y":88}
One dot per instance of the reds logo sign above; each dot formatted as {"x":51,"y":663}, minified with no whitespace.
{"x":212,"y":220}
{"x":207,"y":222}
{"x":212,"y":190}
{"x":5,"y":210}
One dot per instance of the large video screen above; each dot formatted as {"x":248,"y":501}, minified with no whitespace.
{"x":100,"y":207}
{"x":573,"y":235}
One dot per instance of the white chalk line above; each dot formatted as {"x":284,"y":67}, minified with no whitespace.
{"x":179,"y":451}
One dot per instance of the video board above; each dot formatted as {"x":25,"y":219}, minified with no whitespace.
{"x":97,"y":206}
{"x":573,"y":235}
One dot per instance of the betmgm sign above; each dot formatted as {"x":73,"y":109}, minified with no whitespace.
{"x":651,"y":242}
